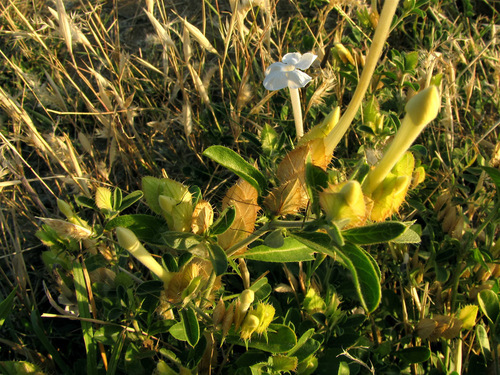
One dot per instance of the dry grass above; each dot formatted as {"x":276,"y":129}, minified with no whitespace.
{"x":102,"y":93}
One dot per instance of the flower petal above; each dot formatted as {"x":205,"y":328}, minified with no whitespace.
{"x":291,"y":58}
{"x":306,"y":60}
{"x":276,"y":67}
{"x":276,"y":80}
{"x":297,"y":79}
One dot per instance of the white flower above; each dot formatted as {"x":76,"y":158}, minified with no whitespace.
{"x":287,"y":74}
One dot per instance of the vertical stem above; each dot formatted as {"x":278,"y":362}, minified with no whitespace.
{"x":297,"y":112}
{"x":374,"y":53}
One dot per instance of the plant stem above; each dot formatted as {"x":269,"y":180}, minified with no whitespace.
{"x":297,"y":112}
{"x":381,"y":33}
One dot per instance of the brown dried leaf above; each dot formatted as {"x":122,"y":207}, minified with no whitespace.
{"x":286,"y":199}
{"x":243,"y":197}
{"x":294,"y":164}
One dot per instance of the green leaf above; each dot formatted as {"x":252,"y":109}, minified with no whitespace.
{"x":280,"y":339}
{"x":180,"y":240}
{"x":151,"y":287}
{"x":178,"y":331}
{"x":6,"y":306}
{"x":275,"y":239}
{"x":364,"y":270}
{"x":483,"y":341}
{"x":316,"y":180}
{"x":319,"y":242}
{"x":305,"y":347}
{"x":191,"y":326}
{"x":411,"y":61}
{"x":281,"y":363}
{"x":261,"y":288}
{"x":103,"y":198}
{"x":488,"y":302}
{"x":19,"y":368}
{"x":82,"y":300}
{"x":218,"y":258}
{"x":84,"y":201}
{"x":38,"y":329}
{"x":130,"y":199}
{"x":376,"y":233}
{"x":235,"y":163}
{"x":408,"y":236}
{"x":108,"y":334}
{"x":152,"y":188}
{"x":291,"y":251}
{"x":366,"y":275}
{"x":494,"y":175}
{"x":117,"y":199}
{"x":417,"y":354}
{"x":115,"y":357}
{"x":224,"y":221}
{"x":146,"y":227}
{"x":269,"y":139}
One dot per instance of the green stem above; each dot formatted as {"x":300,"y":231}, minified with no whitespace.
{"x":200,"y":312}
{"x":381,"y":33}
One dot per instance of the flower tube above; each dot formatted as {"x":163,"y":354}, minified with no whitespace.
{"x":381,"y":33}
{"x":420,"y":110}
{"x":128,"y":240}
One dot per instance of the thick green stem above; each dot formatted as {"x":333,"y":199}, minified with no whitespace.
{"x":297,"y":112}
{"x":381,"y":33}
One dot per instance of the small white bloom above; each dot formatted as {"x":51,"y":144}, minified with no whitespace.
{"x":287,"y":74}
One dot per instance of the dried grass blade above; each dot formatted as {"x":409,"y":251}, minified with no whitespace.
{"x":64,"y":26}
{"x":198,"y":35}
{"x":199,"y":85}
{"x":160,"y":30}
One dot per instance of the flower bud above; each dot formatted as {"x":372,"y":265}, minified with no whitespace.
{"x":228,"y":320}
{"x":250,"y":324}
{"x":242,"y":306}
{"x":203,"y":217}
{"x":344,"y":202}
{"x":175,"y":202}
{"x":323,"y":129}
{"x":344,"y":54}
{"x":65,"y":208}
{"x":423,"y":107}
{"x":265,"y":313}
{"x":246,"y":298}
{"x":219,"y":312}
{"x":389,"y":196}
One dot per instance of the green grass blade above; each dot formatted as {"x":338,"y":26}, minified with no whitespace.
{"x":83,"y":308}
{"x":37,"y":325}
